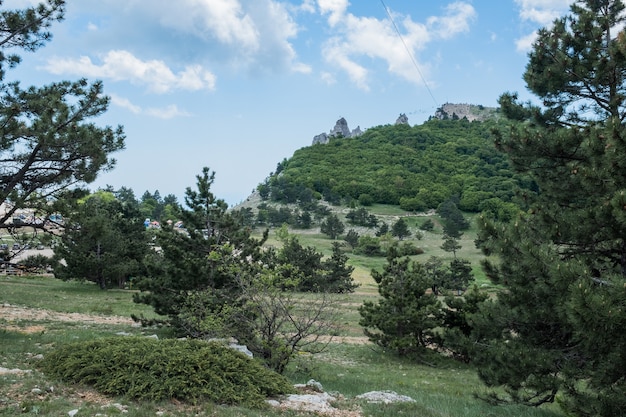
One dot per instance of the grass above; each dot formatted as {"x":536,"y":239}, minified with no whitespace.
{"x":440,"y":386}
{"x":76,"y":297}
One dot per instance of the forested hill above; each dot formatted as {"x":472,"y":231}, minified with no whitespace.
{"x":415,"y":167}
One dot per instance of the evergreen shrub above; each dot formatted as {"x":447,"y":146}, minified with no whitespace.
{"x":147,"y":369}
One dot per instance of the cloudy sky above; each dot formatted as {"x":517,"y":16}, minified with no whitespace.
{"x":239,"y":85}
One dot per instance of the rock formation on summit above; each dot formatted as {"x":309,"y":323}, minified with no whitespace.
{"x":402,"y":119}
{"x":340,"y":130}
{"x":470,"y":112}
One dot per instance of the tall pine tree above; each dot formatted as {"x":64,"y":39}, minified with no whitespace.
{"x":196,"y":277}
{"x":558,"y":331}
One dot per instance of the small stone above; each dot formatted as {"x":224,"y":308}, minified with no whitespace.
{"x":36,"y":391}
{"x":119,"y":406}
{"x":313,"y":384}
{"x":72,"y":413}
{"x":385,"y":397}
{"x":241,"y":348}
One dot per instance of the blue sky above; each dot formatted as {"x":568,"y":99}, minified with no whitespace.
{"x":239,"y":85}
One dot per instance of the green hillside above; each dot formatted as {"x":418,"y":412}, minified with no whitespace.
{"x":415,"y":167}
{"x":393,"y":172}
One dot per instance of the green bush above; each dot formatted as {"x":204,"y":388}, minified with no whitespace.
{"x":149,"y":369}
{"x":369,"y":246}
{"x":409,"y":249}
{"x":428,"y":225}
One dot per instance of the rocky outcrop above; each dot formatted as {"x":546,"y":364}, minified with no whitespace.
{"x":471,"y":112}
{"x":322,"y":138}
{"x":402,"y":119}
{"x":341,"y":130}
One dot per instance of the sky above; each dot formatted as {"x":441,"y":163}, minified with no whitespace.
{"x":239,"y":85}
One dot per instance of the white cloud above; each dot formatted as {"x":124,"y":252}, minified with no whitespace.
{"x":307,"y":6}
{"x":334,"y":53}
{"x":456,"y":20}
{"x":336,"y":9}
{"x":364,"y":37}
{"x":119,"y":65}
{"x":195,"y":78}
{"x":302,"y":68}
{"x":17,"y":4}
{"x":254,"y":35}
{"x":125,"y":103}
{"x":525,"y":43}
{"x":328,"y":78}
{"x":276,"y":28}
{"x":168,"y":112}
{"x":540,"y":13}
{"x":226,"y":20}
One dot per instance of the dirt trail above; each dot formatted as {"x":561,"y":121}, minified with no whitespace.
{"x":12,"y":313}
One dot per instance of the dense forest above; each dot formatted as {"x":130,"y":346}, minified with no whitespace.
{"x":416,"y":167}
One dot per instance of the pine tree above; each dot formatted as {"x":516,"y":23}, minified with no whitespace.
{"x":306,"y":265}
{"x":332,"y":226}
{"x":400,"y":229}
{"x":560,"y":326}
{"x":352,"y":238}
{"x":452,"y":218}
{"x":48,"y":139}
{"x":338,"y":274}
{"x":436,"y":273}
{"x":197,"y":277}
{"x":104,"y":241}
{"x":382,"y":230}
{"x":459,"y":275}
{"x":406,"y":316}
{"x":450,"y":244}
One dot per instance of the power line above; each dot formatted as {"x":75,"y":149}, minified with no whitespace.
{"x":409,"y":53}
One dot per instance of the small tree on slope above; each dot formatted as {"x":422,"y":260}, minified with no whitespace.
{"x":405,"y":317}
